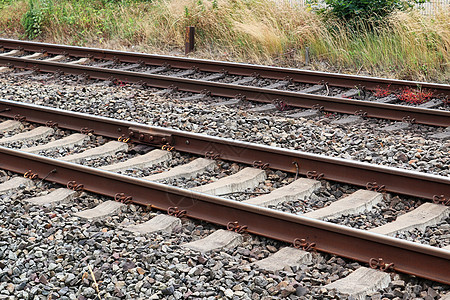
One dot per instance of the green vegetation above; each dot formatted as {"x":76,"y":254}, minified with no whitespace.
{"x":33,"y":18}
{"x":351,"y":10}
{"x":405,"y":45}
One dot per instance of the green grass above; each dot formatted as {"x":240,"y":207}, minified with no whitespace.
{"x":408,"y":46}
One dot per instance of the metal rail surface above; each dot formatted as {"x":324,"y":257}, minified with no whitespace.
{"x":297,"y":75}
{"x":407,"y":257}
{"x":342,"y":105}
{"x":390,"y":179}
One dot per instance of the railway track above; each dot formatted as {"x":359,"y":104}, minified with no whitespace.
{"x":277,"y":87}
{"x":251,"y":164}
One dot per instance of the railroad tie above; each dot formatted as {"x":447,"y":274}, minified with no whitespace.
{"x":130,"y":67}
{"x":12,"y":53}
{"x":58,"y":196}
{"x":347,"y":120}
{"x":194,"y":97}
{"x":350,"y":93}
{"x":14,"y":184}
{"x":244,"y":80}
{"x":227,"y":102}
{"x":264,"y":108}
{"x":277,"y":85}
{"x":309,"y":113}
{"x":428,"y":214}
{"x":24,"y":73}
{"x":108,"y":63}
{"x":362,"y":282}
{"x":5,"y":69}
{"x":187,"y":171}
{"x":81,"y":61}
{"x":285,"y":257}
{"x":69,"y":141}
{"x":56,"y":58}
{"x":213,"y":77}
{"x":388,"y":99}
{"x":164,"y":92}
{"x":106,"y":149}
{"x":160,"y":223}
{"x":313,"y":89}
{"x":431,"y":104}
{"x":395,"y":127}
{"x":141,"y":161}
{"x":220,"y":239}
{"x":32,"y":135}
{"x":239,"y":182}
{"x":442,"y":135}
{"x":34,"y":55}
{"x":354,"y":203}
{"x":9,"y":125}
{"x":299,"y":189}
{"x":184,"y":73}
{"x":157,"y":70}
{"x":445,"y":297}
{"x":101,"y":211}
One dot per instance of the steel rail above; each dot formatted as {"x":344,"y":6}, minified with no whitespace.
{"x":297,"y":75}
{"x":336,"y":169}
{"x":411,"y":258}
{"x":342,"y":105}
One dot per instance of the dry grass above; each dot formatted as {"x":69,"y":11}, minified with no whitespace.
{"x":410,"y":46}
{"x":10,"y":16}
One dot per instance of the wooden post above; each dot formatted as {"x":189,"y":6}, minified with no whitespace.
{"x":189,"y":39}
{"x":307,"y":56}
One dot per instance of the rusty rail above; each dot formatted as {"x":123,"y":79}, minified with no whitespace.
{"x":342,"y":105}
{"x":336,"y":169}
{"x":407,"y":257}
{"x":297,"y":75}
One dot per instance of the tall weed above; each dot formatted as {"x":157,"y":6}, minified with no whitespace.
{"x":33,"y":20}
